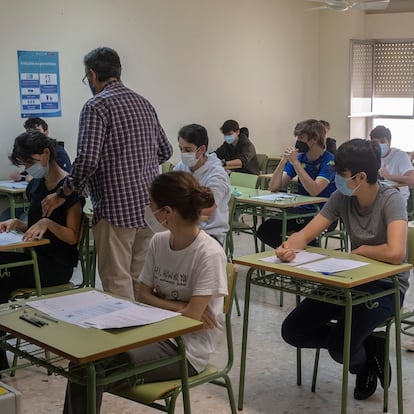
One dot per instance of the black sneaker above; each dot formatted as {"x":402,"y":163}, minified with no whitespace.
{"x":366,"y":384}
{"x":376,"y":359}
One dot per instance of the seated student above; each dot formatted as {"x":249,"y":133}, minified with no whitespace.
{"x":176,"y":202}
{"x":375,"y":218}
{"x":329,"y":142}
{"x":315,"y":170}
{"x":395,"y":164}
{"x":56,"y":260}
{"x":61,"y":156}
{"x":237,"y":150}
{"x":207,"y":168}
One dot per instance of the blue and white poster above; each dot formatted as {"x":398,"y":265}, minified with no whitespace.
{"x":39,"y":84}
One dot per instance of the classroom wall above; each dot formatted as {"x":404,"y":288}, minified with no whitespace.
{"x":265,"y":63}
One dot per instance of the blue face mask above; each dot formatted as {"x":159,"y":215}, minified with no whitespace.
{"x":384,"y":149}
{"x":342,"y":185}
{"x":229,"y":139}
{"x":37,"y":170}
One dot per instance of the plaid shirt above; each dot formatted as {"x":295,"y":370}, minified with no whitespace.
{"x":120,"y":146}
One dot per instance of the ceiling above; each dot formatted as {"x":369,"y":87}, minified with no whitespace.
{"x":396,"y":6}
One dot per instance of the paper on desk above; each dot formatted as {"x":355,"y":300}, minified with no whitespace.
{"x":99,"y":310}
{"x":13,"y":184}
{"x":10,"y":238}
{"x":275,"y":196}
{"x":302,"y":256}
{"x":333,"y":265}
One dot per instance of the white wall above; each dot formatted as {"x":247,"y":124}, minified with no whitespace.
{"x":197,"y":61}
{"x":265,"y":63}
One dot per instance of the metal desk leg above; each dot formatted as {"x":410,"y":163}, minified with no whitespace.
{"x":244,"y":338}
{"x":397,"y":319}
{"x":347,"y":350}
{"x":91,"y":389}
{"x":36,"y":273}
{"x":184,"y":376}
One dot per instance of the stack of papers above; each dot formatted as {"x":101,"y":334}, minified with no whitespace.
{"x":10,"y":238}
{"x":94,"y":309}
{"x":276,"y":196}
{"x":318,"y":262}
{"x":13,"y":184}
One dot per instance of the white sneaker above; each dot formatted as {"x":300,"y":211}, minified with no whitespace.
{"x":409,"y":346}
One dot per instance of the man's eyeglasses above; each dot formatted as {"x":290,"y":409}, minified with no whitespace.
{"x":85,"y":79}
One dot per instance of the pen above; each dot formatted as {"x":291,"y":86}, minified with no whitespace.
{"x":336,"y":275}
{"x":47,"y":317}
{"x":32,"y":321}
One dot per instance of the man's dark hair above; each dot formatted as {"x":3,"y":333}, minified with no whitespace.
{"x":194,"y":134}
{"x":105,"y":62}
{"x":359,"y":155}
{"x":29,"y":143}
{"x":230,"y":125}
{"x":379,"y":132}
{"x":32,"y":123}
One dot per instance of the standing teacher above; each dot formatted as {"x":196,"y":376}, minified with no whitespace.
{"x":120,"y":146}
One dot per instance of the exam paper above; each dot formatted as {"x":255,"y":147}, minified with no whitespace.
{"x":275,"y":196}
{"x":333,"y":265}
{"x":13,"y":184}
{"x":10,"y":238}
{"x":100,"y":310}
{"x":302,"y":256}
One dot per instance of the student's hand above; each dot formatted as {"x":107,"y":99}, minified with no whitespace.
{"x":15,"y":176}
{"x":37,"y":230}
{"x":8,"y":225}
{"x":285,"y":253}
{"x":291,"y":154}
{"x":209,"y":321}
{"x":50,"y":203}
{"x":383,"y":172}
{"x":28,"y":178}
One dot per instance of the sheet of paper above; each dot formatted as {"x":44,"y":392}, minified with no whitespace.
{"x":99,"y":310}
{"x":13,"y":184}
{"x":10,"y":238}
{"x":333,"y":265}
{"x":275,"y":196}
{"x":302,"y":256}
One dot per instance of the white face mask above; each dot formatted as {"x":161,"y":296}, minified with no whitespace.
{"x":189,"y":158}
{"x":154,"y":225}
{"x":37,"y":170}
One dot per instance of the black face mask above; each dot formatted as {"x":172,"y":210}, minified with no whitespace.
{"x":302,"y":146}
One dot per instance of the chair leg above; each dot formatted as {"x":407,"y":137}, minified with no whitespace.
{"x":386,"y":364}
{"x":299,"y":366}
{"x":230,"y":394}
{"x":315,"y":369}
{"x":236,"y":302}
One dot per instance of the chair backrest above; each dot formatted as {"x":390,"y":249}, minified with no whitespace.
{"x":167,"y":166}
{"x":244,"y":180}
{"x":262,"y":161}
{"x":231,"y":286}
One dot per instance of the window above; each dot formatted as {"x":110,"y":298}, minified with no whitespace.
{"x":382,"y":87}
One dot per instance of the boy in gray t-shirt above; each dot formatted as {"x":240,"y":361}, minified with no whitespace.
{"x":375,"y":218}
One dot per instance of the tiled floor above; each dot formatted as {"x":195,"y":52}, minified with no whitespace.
{"x":271,"y":371}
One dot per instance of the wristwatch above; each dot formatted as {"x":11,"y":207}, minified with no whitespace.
{"x":60,"y":193}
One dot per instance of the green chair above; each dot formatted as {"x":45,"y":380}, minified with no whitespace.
{"x":262,"y":161}
{"x":410,"y":205}
{"x":166,"y":167}
{"x":236,"y":226}
{"x":239,"y":179}
{"x":336,"y":234}
{"x":148,"y":394}
{"x":87,"y":259}
{"x":384,"y":331}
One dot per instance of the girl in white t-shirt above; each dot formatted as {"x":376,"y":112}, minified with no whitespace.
{"x":184,"y":271}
